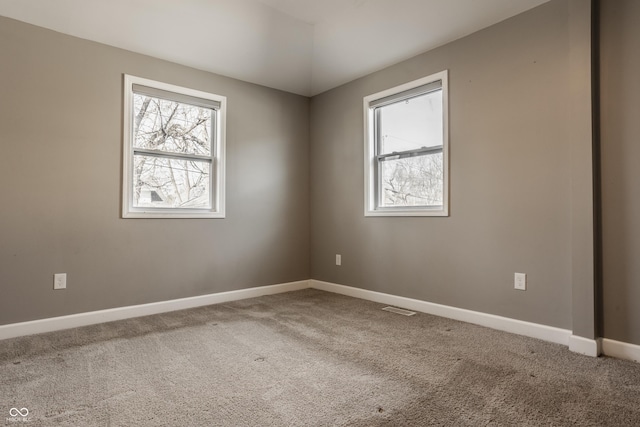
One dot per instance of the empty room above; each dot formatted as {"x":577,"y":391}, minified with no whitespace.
{"x":319,"y":213}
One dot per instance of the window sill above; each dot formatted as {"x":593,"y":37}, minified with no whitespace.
{"x":407,"y":212}
{"x":165,"y":214}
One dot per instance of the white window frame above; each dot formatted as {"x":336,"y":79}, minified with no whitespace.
{"x":217,"y":174}
{"x":371,"y":207}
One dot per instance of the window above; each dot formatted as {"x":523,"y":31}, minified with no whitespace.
{"x":174,"y":148}
{"x":406,"y":149}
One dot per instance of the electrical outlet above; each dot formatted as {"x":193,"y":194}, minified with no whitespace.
{"x":520,"y":282}
{"x":338,"y":259}
{"x":60,"y":281}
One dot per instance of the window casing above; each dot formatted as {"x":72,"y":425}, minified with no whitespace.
{"x":174,"y":151}
{"x":406,"y":149}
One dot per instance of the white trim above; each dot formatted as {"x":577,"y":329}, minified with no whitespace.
{"x":120,"y":313}
{"x":586,"y":346}
{"x":217,"y":184}
{"x":534,"y":330}
{"x":621,"y":350}
{"x":575,"y":343}
{"x":369,"y":149}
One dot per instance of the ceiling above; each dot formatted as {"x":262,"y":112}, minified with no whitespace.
{"x":300,"y":46}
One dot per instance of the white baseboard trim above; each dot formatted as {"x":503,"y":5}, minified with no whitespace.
{"x":586,"y":346}
{"x":90,"y":318}
{"x":621,"y":350}
{"x":589,"y":347}
{"x":534,"y":330}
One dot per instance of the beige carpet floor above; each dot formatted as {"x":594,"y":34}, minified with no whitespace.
{"x":307,"y":358}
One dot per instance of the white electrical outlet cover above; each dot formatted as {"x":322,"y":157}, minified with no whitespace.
{"x":60,"y":281}
{"x":520,"y":281}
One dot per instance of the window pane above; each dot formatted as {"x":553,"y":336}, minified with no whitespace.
{"x":413,"y":181}
{"x":411,"y":124}
{"x":170,"y":183}
{"x":171,"y":126}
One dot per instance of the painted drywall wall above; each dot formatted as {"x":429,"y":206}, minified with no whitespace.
{"x":510,"y":178}
{"x":60,"y":185}
{"x":584,"y":244}
{"x":620,"y":151}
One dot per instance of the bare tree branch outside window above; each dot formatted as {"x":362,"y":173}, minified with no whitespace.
{"x":412,"y":125}
{"x":171,"y":127}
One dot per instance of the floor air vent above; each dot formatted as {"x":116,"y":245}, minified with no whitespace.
{"x":399,"y":311}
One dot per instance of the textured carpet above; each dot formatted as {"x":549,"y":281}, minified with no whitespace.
{"x":307,"y":358}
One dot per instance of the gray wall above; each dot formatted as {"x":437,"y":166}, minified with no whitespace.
{"x":519,"y":173}
{"x":60,"y":185}
{"x":510,"y":178}
{"x":620,"y":147}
